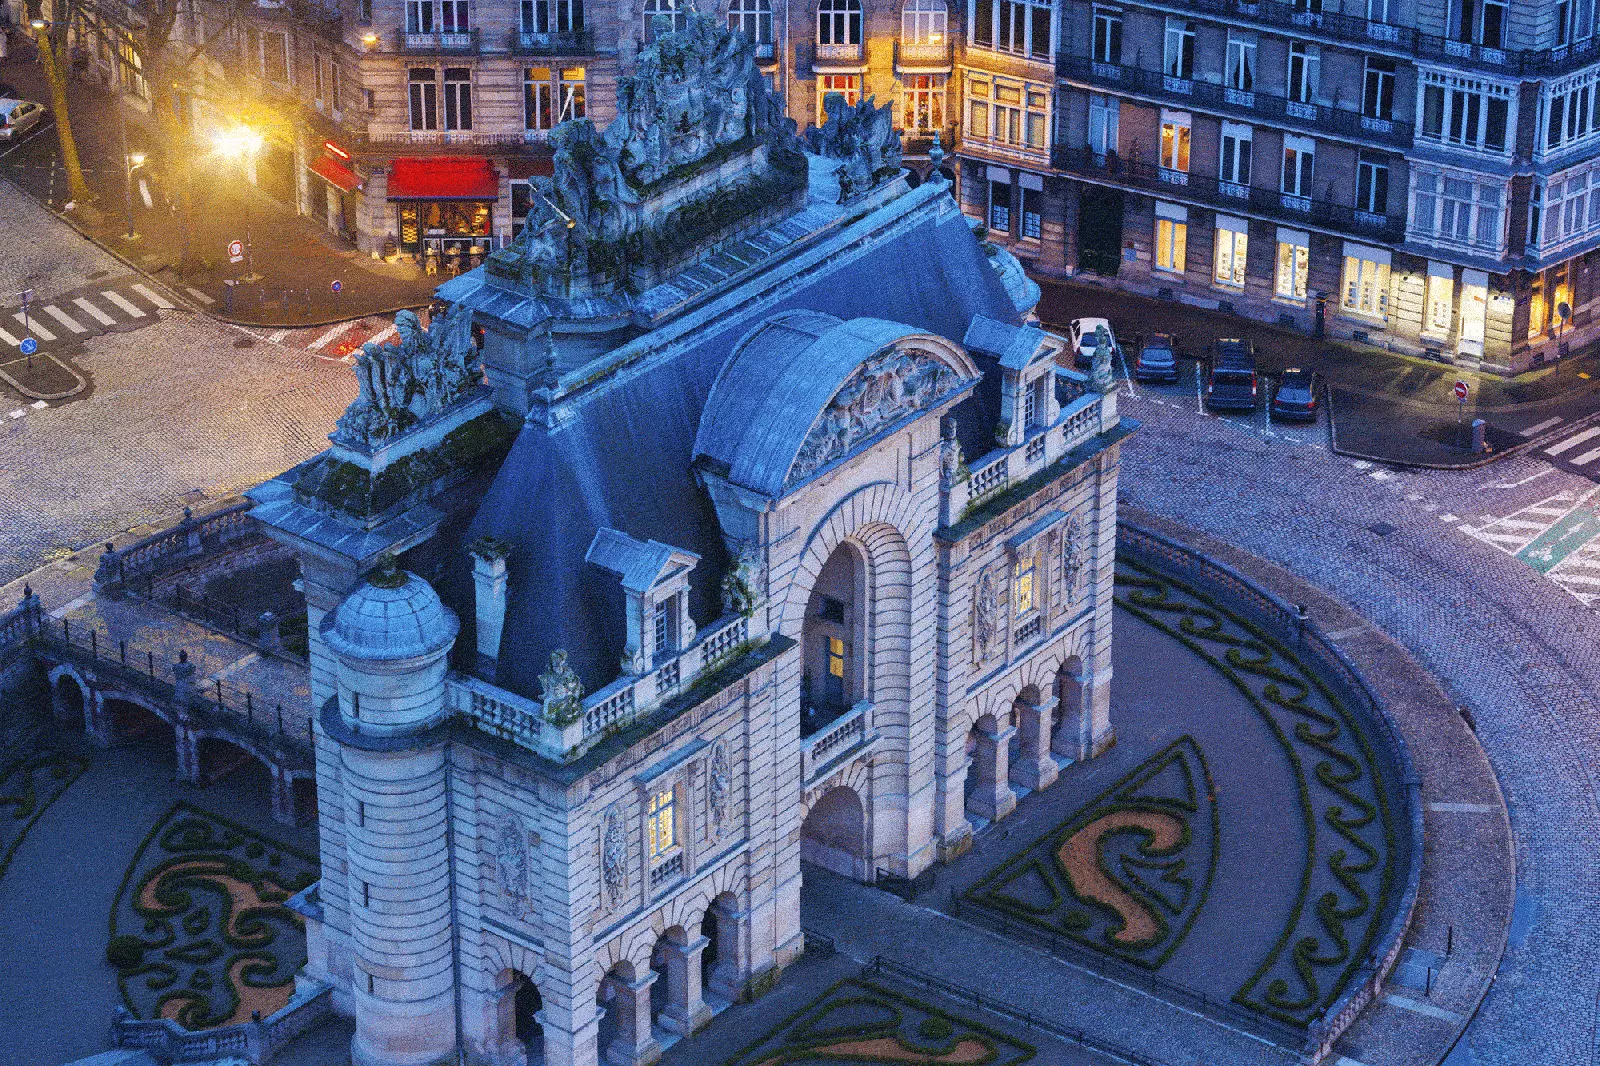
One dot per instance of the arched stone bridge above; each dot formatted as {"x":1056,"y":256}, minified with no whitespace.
{"x":117,"y":694}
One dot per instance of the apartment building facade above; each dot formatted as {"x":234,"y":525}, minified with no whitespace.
{"x":1412,"y":173}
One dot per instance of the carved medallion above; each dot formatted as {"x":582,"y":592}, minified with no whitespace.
{"x":514,"y":863}
{"x":613,"y":856}
{"x":986,"y":615}
{"x":718,"y":786}
{"x":1072,"y":559}
{"x":885,"y":389}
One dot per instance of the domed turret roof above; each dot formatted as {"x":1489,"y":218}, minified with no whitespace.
{"x":393,"y":615}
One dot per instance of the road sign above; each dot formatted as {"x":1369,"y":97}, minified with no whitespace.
{"x":1461,"y":391}
{"x":28,"y":346}
{"x":26,"y":295}
{"x":337,"y":285}
{"x":235,"y":251}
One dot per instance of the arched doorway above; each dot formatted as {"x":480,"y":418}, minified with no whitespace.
{"x":219,"y":758}
{"x":989,"y":796}
{"x":677,"y":999}
{"x":834,"y":834}
{"x":720,"y":968}
{"x":525,"y":1007}
{"x":833,"y":637}
{"x":68,"y":702}
{"x":135,"y":723}
{"x":708,"y":957}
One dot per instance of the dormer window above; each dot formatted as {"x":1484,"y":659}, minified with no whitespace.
{"x":655,"y":587}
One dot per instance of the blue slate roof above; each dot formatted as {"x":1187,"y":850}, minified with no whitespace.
{"x":617,"y":454}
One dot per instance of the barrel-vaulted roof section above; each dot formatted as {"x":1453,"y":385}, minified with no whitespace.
{"x":781,"y":379}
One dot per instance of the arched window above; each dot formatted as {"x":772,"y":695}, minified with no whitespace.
{"x":753,"y":18}
{"x":664,"y":16}
{"x":924,"y":22}
{"x":839,"y":22}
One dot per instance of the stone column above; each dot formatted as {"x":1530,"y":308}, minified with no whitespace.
{"x":686,"y":1010}
{"x":993,"y":798}
{"x":634,"y":1044}
{"x":575,"y":1047}
{"x":58,"y":702}
{"x":1035,"y":769}
{"x":97,"y":723}
{"x":188,"y":753}
{"x":283,"y":810}
{"x":1068,"y":740}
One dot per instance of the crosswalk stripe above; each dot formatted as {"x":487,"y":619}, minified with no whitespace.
{"x":153,"y":296}
{"x":8,"y":338}
{"x":1589,"y":563}
{"x":1542,"y":426}
{"x":1586,"y":457}
{"x":1506,"y":537}
{"x":383,"y":335}
{"x":322,"y":341}
{"x":1518,"y":523}
{"x":32,"y":322}
{"x":1572,"y":441}
{"x":1582,"y":579}
{"x":122,"y":303}
{"x":277,"y":335}
{"x":1553,"y":512}
{"x":198,"y":295}
{"x":98,"y":315}
{"x":64,"y":318}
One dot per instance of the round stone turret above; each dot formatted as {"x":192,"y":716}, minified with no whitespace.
{"x":392,"y":637}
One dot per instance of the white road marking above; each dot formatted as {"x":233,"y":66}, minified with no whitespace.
{"x":18,"y":413}
{"x":32,"y":322}
{"x":65,"y":319}
{"x":1427,"y":1009}
{"x":388,"y":331}
{"x":1524,"y":481}
{"x":1380,"y":475}
{"x":8,"y":338}
{"x":38,"y":405}
{"x":1586,"y":457}
{"x":1463,"y":808}
{"x":123,"y":304}
{"x":322,"y":341}
{"x":235,"y":666}
{"x":1519,"y":541}
{"x":1449,"y":518}
{"x":198,"y":295}
{"x":1572,"y":441}
{"x":1519,"y":523}
{"x":277,"y":335}
{"x":154,"y":297}
{"x":67,"y":608}
{"x":43,"y":126}
{"x":1559,"y":576}
{"x":1534,"y":430}
{"x":94,"y":312}
{"x":1361,"y":464}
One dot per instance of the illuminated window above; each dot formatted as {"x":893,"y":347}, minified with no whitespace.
{"x":1366,"y":281}
{"x":835,"y":657}
{"x":924,"y":22}
{"x":1232,"y":241}
{"x":1022,"y":592}
{"x":1172,"y":237}
{"x":922,"y":101}
{"x":1294,"y":256}
{"x":663,"y":824}
{"x":1175,"y":146}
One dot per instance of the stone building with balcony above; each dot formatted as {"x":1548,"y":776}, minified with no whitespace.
{"x":1382,"y":169}
{"x":748,"y":549}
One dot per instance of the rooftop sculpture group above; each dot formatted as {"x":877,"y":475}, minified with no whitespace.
{"x":407,"y":383}
{"x":863,"y":137}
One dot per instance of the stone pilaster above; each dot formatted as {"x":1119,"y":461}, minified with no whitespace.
{"x":634,"y":1044}
{"x":686,"y":1010}
{"x":1035,"y":769}
{"x":993,"y":798}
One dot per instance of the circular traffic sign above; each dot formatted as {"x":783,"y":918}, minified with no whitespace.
{"x":235,"y":247}
{"x":1461,"y":390}
{"x":337,"y":285}
{"x":28,"y":346}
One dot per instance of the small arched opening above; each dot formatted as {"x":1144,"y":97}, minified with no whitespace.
{"x":832,"y":639}
{"x":526,"y":1003}
{"x":68,"y":702}
{"x":719,"y":969}
{"x":834,"y":834}
{"x":220,"y":758}
{"x":137,"y":724}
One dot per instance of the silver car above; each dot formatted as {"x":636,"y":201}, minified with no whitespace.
{"x":18,"y":116}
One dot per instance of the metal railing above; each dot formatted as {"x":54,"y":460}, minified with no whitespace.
{"x":1226,"y":196}
{"x":437,"y":41}
{"x":922,"y":53}
{"x":551,"y":42}
{"x":1251,"y":104}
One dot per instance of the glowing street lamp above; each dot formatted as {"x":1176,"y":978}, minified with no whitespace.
{"x":242,"y":143}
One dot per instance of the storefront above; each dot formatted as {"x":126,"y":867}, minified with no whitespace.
{"x":444,"y":208}
{"x":338,"y":185}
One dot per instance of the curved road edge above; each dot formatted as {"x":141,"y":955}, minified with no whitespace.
{"x":1462,"y":918}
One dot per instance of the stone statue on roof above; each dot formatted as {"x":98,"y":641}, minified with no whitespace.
{"x":402,"y":384}
{"x":863,"y":137}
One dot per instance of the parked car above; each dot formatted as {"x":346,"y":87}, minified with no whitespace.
{"x":17,"y":116}
{"x":1082,"y":338}
{"x":1296,"y":394}
{"x":1231,"y":377}
{"x":1157,"y":359}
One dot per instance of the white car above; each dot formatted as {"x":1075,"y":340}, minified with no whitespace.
{"x":1082,"y":337}
{"x":16,"y":116}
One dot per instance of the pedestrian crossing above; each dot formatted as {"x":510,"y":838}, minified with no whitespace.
{"x":123,"y":304}
{"x":1578,"y":452}
{"x":1559,"y":536}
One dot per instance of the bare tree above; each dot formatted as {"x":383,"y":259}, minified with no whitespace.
{"x":52,"y":41}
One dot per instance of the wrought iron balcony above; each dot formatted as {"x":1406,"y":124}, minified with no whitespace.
{"x":1250,"y":105}
{"x":930,"y":55}
{"x":1221,"y":195}
{"x":437,"y":41}
{"x":551,"y":43}
{"x":839,"y":53}
{"x":1406,"y":40}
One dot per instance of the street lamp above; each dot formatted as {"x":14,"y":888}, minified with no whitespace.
{"x":242,"y":143}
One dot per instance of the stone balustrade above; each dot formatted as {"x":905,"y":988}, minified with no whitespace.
{"x":255,"y":1041}
{"x":1083,"y":418}
{"x":843,"y":734}
{"x":522,"y":721}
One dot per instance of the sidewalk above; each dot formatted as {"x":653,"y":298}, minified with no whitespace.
{"x":297,"y":259}
{"x":1384,"y":406}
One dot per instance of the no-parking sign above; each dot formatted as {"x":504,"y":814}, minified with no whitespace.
{"x":1461,"y":390}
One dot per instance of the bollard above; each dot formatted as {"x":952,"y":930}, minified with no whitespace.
{"x":1478,"y":445}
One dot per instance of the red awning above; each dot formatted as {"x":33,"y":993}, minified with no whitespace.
{"x":335,"y":173}
{"x":446,"y":178}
